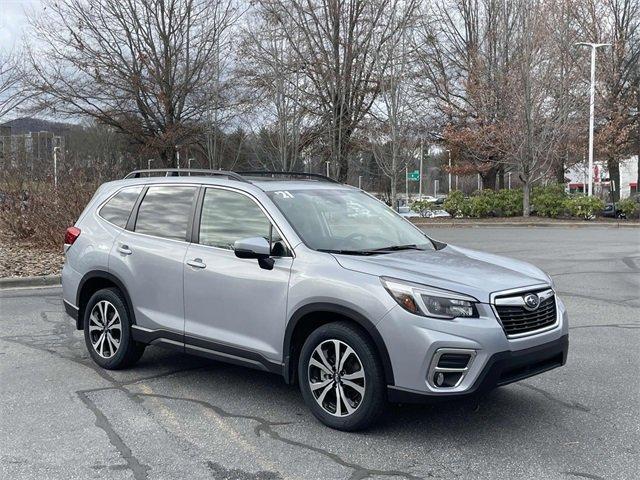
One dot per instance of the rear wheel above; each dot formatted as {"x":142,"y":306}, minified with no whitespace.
{"x":341,"y":377}
{"x":107,"y":331}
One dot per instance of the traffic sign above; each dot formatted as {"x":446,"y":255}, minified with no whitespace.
{"x":414,"y":176}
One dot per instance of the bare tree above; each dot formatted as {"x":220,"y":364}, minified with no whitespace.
{"x":11,"y":94}
{"x":271,"y":69}
{"x":142,"y":67}
{"x":464,"y":49}
{"x":393,"y":125}
{"x":338,"y":42}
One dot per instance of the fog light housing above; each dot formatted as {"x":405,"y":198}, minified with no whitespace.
{"x":449,"y":367}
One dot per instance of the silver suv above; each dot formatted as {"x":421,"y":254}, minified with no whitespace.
{"x":301,"y":276}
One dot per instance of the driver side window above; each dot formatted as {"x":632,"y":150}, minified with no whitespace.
{"x":228,"y":216}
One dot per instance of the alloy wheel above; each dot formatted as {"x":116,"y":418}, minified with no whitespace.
{"x":336,"y":378}
{"x":105,"y":329}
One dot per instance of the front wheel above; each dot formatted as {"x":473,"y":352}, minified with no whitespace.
{"x":341,"y":377}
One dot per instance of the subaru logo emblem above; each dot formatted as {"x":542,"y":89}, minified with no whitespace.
{"x":531,"y":301}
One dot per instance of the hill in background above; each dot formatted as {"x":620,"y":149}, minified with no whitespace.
{"x":28,"y":124}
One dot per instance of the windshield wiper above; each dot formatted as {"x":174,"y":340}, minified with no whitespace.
{"x":395,"y":248}
{"x":349,"y":252}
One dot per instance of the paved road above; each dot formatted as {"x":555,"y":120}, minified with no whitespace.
{"x":176,"y":416}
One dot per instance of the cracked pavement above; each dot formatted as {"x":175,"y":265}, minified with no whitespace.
{"x":176,"y":416}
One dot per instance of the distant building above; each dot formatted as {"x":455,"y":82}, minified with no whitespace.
{"x":31,"y":151}
{"x":578,"y":178}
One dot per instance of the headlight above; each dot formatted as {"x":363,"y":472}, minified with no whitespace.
{"x":430,"y":301}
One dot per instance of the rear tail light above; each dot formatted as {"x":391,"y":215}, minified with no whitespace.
{"x":71,"y":235}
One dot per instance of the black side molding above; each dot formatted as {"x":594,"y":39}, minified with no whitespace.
{"x":206,"y":348}
{"x":71,"y":311}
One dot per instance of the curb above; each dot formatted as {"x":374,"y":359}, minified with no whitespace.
{"x":526,"y":224}
{"x":29,"y":282}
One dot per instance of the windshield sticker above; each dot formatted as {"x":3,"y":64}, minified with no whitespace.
{"x":284,"y":194}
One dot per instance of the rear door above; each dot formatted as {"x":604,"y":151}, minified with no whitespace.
{"x":232,"y":305}
{"x":149,"y":256}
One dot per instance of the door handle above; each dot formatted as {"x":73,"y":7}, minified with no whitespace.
{"x":124,"y":249}
{"x":196,"y":263}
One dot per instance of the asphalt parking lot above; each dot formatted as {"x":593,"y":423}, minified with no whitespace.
{"x":175,"y":416}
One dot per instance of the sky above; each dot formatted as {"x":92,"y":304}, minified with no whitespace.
{"x":13,"y":21}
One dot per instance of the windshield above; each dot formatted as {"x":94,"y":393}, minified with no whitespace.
{"x":347,"y":221}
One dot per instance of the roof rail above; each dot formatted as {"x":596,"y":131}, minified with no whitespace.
{"x":268,"y":173}
{"x":177,"y":172}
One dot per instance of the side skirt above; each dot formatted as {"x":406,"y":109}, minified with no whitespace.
{"x":206,"y":348}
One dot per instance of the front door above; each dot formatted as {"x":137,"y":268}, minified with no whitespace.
{"x":232,"y":305}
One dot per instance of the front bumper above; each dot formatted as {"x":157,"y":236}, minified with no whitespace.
{"x":412,"y":342}
{"x":501,"y":369}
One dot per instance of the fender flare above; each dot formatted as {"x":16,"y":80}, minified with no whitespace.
{"x":347,"y":312}
{"x":102,"y":274}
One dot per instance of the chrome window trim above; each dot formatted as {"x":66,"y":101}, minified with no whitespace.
{"x":544,"y":288}
{"x":433,"y":367}
{"x":196,"y":185}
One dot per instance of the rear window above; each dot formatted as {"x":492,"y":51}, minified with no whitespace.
{"x":165,"y":212}
{"x":118,"y":209}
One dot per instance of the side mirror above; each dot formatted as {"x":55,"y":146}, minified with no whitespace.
{"x":255,"y":247}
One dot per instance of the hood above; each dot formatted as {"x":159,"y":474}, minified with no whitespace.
{"x":452,"y":268}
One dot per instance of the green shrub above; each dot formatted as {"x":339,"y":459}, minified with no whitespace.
{"x":548,"y":201}
{"x":584,"y":207}
{"x":481,"y":204}
{"x":508,"y":203}
{"x":456,"y":205}
{"x":423,"y":206}
{"x":629,"y":207}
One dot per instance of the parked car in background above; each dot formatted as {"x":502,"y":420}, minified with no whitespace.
{"x":611,"y":211}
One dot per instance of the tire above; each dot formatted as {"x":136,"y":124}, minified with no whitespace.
{"x":111,"y":348}
{"x":360,"y":381}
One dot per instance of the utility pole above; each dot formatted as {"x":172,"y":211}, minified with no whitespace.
{"x":594,"y":47}
{"x":55,"y":166}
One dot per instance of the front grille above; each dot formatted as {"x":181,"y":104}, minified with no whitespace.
{"x":517,"y":320}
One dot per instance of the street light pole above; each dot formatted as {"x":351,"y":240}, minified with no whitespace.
{"x":449,"y":152}
{"x":593,"y":46}
{"x":55,"y":166}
